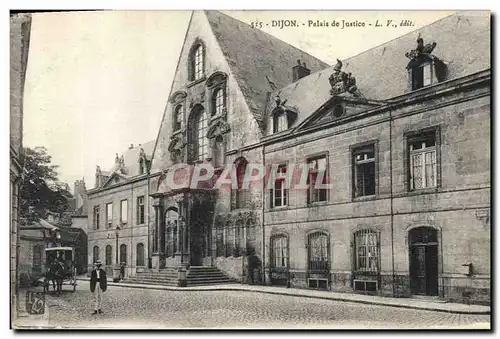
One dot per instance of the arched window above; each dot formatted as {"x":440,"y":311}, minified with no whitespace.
{"x":109,"y":254}
{"x":140,"y":255}
{"x":241,"y":194}
{"x":199,"y":140}
{"x":123,"y":253}
{"x":37,"y":258}
{"x":279,"y":251}
{"x":197,"y":66}
{"x":218,"y":101}
{"x":171,"y":221}
{"x":178,"y":117}
{"x":367,"y":253}
{"x":317,"y":245}
{"x":96,"y":253}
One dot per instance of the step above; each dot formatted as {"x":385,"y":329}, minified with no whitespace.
{"x":210,"y":282}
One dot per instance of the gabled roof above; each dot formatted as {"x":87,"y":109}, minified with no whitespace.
{"x":463,"y":43}
{"x":253,"y":54}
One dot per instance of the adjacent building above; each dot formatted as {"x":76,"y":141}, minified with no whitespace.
{"x":117,"y":209}
{"x":402,"y":132}
{"x":20,"y":26}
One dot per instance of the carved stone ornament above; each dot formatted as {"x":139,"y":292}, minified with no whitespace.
{"x":420,"y":53}
{"x":342,"y":82}
{"x":177,"y":143}
{"x":98,"y":170}
{"x":218,"y":126}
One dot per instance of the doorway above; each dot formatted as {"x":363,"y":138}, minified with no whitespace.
{"x":424,"y":261}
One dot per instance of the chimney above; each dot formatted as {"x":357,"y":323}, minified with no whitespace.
{"x":299,"y":71}
{"x":131,"y":146}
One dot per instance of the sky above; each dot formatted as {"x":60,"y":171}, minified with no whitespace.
{"x":97,"y":82}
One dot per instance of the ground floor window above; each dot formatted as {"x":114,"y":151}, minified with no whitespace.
{"x":279,"y":247}
{"x":123,"y":253}
{"x":140,"y":255}
{"x":95,"y":254}
{"x":317,"y":244}
{"x":367,"y":252}
{"x":109,"y":251}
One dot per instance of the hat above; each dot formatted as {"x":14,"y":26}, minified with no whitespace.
{"x":98,"y":262}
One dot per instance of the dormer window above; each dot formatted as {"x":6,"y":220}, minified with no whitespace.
{"x":421,"y":76}
{"x":178,"y":117}
{"x":280,"y":122}
{"x":141,"y":167}
{"x":197,"y":62}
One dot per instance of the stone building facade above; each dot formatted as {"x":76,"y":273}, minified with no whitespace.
{"x":402,"y":132}
{"x":120,"y":199}
{"x":20,"y":26}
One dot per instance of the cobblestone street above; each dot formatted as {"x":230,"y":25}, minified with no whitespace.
{"x":137,"y":308}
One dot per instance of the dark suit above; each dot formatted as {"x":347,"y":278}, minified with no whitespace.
{"x":102,"y":280}
{"x":103,"y":284}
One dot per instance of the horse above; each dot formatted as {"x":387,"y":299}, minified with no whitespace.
{"x":55,"y":273}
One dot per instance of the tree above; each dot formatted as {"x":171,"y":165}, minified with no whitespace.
{"x":41,"y":189}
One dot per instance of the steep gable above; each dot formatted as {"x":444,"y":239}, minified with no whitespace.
{"x":253,"y":54}
{"x":463,"y":43}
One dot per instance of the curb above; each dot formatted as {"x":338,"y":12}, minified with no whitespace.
{"x":332,"y":298}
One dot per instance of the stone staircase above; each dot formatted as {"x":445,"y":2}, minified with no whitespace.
{"x":196,"y":276}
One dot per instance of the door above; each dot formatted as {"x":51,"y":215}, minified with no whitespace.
{"x":424,"y":261}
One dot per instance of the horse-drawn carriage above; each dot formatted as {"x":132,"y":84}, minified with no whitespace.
{"x":59,"y":268}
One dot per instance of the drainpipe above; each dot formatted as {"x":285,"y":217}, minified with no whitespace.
{"x":392,"y":202}
{"x":263,"y":269}
{"x":146,"y":210}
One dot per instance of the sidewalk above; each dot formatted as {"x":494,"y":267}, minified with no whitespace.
{"x":27,"y":320}
{"x":418,"y":304}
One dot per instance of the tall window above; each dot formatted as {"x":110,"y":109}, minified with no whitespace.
{"x":124,"y":212}
{"x":279,"y":246}
{"x":364,"y":171}
{"x":123,"y":253}
{"x":317,"y":171}
{"x":109,"y":255}
{"x":279,"y":193}
{"x":421,"y":76}
{"x":109,"y":215}
{"x":198,"y":134}
{"x":197,"y":63}
{"x":317,"y":244}
{"x":95,"y":253}
{"x":366,"y":250}
{"x":423,"y":168}
{"x":140,"y":255}
{"x":140,"y":210}
{"x":218,"y":101}
{"x":280,"y":122}
{"x":178,"y":116}
{"x":241,"y":195}
{"x":96,"y":218}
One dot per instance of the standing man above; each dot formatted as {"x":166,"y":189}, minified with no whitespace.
{"x":98,"y":285}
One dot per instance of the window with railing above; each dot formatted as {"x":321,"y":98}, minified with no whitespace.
{"x":318,"y":177}
{"x":367,"y":253}
{"x":423,"y":160}
{"x":364,"y":171}
{"x":123,"y":253}
{"x":124,"y":212}
{"x":109,"y":215}
{"x":317,"y":245}
{"x":96,"y":218}
{"x":279,"y":193}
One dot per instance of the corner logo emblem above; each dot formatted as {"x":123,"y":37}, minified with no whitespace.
{"x":35,"y":302}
